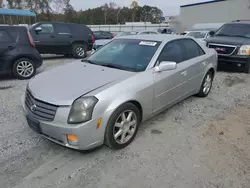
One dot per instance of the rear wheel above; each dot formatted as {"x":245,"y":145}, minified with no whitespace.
{"x":206,"y":85}
{"x":24,"y":68}
{"x":122,"y":126}
{"x":79,"y":50}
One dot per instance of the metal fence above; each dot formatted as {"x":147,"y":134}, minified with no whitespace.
{"x":128,"y":27}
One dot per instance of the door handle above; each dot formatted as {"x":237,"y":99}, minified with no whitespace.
{"x":184,"y":73}
{"x":11,"y":47}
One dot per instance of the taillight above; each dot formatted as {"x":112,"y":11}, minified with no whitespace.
{"x":31,"y":39}
{"x":93,"y":39}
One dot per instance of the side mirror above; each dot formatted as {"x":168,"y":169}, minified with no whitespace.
{"x":211,"y":33}
{"x":38,"y":29}
{"x":165,"y":66}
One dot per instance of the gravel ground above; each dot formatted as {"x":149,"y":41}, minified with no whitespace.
{"x":197,"y":143}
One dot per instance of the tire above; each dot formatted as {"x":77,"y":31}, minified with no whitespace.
{"x":127,"y":131}
{"x":247,"y":70}
{"x":21,"y":65}
{"x":79,"y":50}
{"x":206,"y":84}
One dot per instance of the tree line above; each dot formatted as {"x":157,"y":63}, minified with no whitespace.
{"x":108,"y":13}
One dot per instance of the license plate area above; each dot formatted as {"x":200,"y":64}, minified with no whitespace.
{"x":34,"y":125}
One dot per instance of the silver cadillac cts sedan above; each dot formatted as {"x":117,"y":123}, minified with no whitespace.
{"x":104,"y":98}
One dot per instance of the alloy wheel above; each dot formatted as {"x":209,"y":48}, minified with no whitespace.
{"x":125,"y":127}
{"x":207,"y":84}
{"x":80,"y":51}
{"x":25,"y":68}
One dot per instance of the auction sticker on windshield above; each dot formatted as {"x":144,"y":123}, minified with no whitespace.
{"x":147,"y":43}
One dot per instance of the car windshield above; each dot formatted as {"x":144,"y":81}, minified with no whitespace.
{"x":127,"y":33}
{"x":125,"y":54}
{"x":234,"y":30}
{"x":199,"y":35}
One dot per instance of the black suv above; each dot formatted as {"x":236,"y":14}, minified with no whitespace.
{"x":232,"y":43}
{"x":62,"y":38}
{"x":18,"y":54}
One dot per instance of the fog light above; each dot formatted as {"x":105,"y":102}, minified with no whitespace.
{"x":72,"y":139}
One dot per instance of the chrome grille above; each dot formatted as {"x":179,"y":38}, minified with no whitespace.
{"x":39,"y":109}
{"x":223,"y":49}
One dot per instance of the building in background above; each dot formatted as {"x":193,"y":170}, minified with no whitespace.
{"x":216,"y":11}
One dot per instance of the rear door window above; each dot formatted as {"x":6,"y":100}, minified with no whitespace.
{"x":5,"y":37}
{"x":62,"y":29}
{"x":192,"y":49}
{"x":172,"y":51}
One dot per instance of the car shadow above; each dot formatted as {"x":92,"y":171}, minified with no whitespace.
{"x":230,"y":70}
{"x":6,"y":77}
{"x":52,"y":57}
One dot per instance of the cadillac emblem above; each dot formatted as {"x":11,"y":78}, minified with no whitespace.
{"x":33,"y":107}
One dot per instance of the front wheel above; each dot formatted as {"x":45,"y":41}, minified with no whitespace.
{"x":24,"y":68}
{"x":247,"y":70}
{"x":206,"y":85}
{"x":79,"y":50}
{"x":122,"y":126}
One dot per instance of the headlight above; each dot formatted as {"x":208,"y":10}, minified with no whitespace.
{"x":82,"y":109}
{"x":244,"y":50}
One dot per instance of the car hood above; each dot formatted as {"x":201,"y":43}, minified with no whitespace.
{"x":237,"y":41}
{"x":64,"y":84}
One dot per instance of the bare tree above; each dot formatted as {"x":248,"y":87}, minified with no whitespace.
{"x":1,"y":4}
{"x":134,"y":6}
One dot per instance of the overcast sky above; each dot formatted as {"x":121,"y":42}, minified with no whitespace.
{"x":169,"y":7}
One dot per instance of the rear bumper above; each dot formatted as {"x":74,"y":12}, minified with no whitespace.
{"x":37,"y":58}
{"x":90,"y":46}
{"x":234,"y":62}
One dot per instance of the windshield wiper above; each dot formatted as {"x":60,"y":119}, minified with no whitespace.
{"x":89,"y":61}
{"x":223,"y":35}
{"x":118,"y":67}
{"x":239,"y":36}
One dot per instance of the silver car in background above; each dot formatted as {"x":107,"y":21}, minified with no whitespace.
{"x":101,"y":42}
{"x":199,"y":35}
{"x":103,"y":99}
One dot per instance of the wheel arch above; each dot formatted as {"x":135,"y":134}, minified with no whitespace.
{"x":79,"y":42}
{"x":114,"y":106}
{"x":19,"y":57}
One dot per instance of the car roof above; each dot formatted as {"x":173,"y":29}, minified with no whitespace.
{"x":240,"y":22}
{"x":102,"y":41}
{"x":12,"y":27}
{"x":153,"y":37}
{"x":56,"y":22}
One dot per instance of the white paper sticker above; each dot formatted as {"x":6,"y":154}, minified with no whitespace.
{"x":147,"y":43}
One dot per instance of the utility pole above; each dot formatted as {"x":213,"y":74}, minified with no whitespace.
{"x":117,"y":17}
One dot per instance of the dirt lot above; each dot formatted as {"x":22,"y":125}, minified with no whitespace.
{"x":197,"y":143}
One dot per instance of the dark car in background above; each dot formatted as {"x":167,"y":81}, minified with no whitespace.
{"x":18,"y":54}
{"x":232,"y":43}
{"x":103,"y":35}
{"x":62,"y":38}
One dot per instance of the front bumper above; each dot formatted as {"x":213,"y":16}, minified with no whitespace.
{"x":234,"y":62}
{"x":88,"y":136}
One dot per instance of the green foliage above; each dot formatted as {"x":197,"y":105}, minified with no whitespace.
{"x":62,"y":10}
